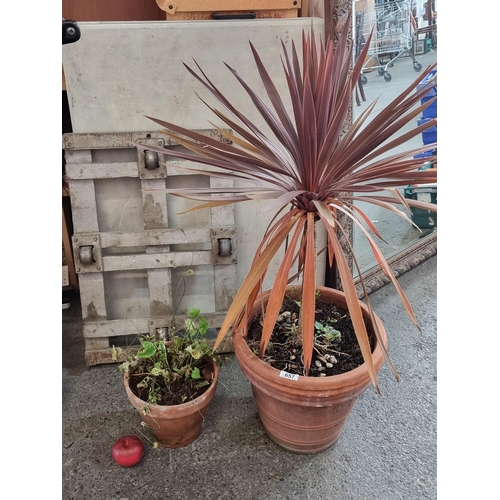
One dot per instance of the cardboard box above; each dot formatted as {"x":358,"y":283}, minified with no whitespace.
{"x":420,"y":47}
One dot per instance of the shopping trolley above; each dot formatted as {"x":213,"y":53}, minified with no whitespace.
{"x":392,"y":37}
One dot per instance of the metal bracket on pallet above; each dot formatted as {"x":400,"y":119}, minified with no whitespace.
{"x":159,"y":327}
{"x":224,"y":245}
{"x":148,"y":162}
{"x":87,"y":252}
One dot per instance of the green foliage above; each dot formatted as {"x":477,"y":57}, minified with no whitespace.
{"x":327,"y":331}
{"x":171,"y":369}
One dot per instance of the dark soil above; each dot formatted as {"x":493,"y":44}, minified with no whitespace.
{"x":285,"y":350}
{"x":177,"y":392}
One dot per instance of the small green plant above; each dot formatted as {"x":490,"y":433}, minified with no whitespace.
{"x":327,"y":331}
{"x":170,"y":371}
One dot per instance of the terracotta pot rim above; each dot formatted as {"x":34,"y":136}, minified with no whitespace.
{"x":186,"y":407}
{"x":358,"y":375}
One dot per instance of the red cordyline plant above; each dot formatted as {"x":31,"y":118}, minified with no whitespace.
{"x":310,"y":171}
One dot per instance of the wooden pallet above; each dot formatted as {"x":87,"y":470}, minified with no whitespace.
{"x":183,"y":10}
{"x":137,"y":272}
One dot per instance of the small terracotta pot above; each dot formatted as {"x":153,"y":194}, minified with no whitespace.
{"x":175,"y":426}
{"x":308,"y":414}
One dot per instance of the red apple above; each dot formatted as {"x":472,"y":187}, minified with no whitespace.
{"x":128,"y":451}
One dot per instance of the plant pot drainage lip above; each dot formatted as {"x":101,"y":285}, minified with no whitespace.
{"x":182,"y":407}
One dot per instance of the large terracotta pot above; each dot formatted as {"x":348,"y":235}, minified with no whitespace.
{"x":308,"y":414}
{"x":177,"y":425}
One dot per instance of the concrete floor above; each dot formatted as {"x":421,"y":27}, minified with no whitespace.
{"x":387,"y":450}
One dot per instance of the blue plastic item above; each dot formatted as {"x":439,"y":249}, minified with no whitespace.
{"x":430,"y":111}
{"x":425,"y":154}
{"x":430,"y":135}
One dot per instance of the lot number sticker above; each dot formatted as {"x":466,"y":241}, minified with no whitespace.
{"x":289,"y":376}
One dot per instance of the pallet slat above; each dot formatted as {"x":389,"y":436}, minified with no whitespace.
{"x":156,"y":260}
{"x":102,"y":170}
{"x":169,"y":236}
{"x":136,"y":326}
